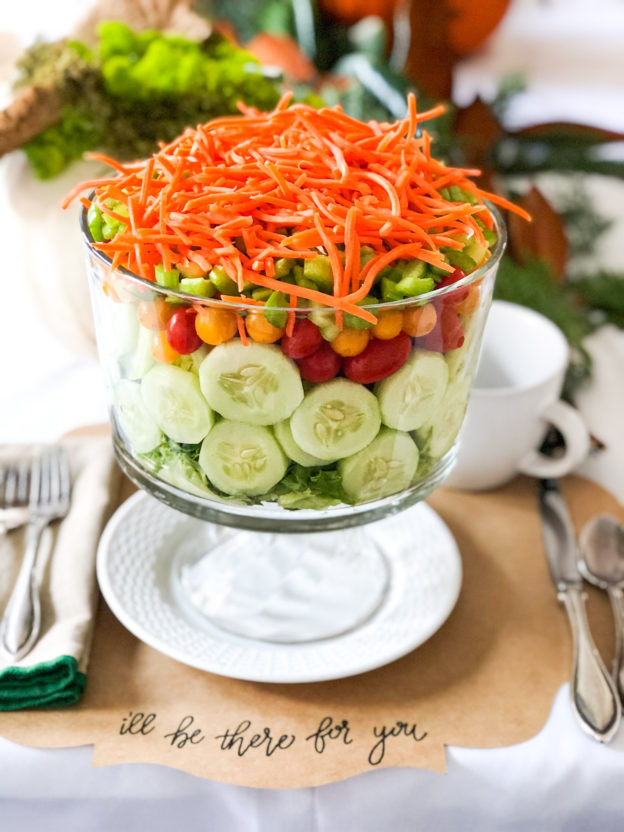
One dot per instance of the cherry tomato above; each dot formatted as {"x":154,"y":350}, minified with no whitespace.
{"x":450,"y":278}
{"x":306,"y":338}
{"x":420,"y":320}
{"x":448,"y":333}
{"x":181,"y":332}
{"x":467,"y":305}
{"x":379,"y":360}
{"x":154,"y":314}
{"x":388,"y":325}
{"x":260,"y":330}
{"x":110,"y":291}
{"x":162,"y":350}
{"x":350,"y":341}
{"x":215,"y":326}
{"x":322,"y":365}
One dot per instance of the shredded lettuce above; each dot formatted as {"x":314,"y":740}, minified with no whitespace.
{"x":315,"y":488}
{"x":177,"y":465}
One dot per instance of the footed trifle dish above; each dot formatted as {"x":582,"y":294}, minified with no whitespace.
{"x":289,"y":308}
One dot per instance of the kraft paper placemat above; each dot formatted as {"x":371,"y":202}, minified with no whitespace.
{"x":487,"y":678}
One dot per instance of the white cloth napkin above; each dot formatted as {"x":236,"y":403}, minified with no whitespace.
{"x":54,"y":672}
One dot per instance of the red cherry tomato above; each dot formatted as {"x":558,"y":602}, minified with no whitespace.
{"x":181,"y":332}
{"x":322,"y":365}
{"x":452,"y":298}
{"x":379,"y":360}
{"x":306,"y":338}
{"x":450,"y":278}
{"x":448,"y":333}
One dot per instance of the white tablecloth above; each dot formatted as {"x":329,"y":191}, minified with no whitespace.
{"x":559,"y":780}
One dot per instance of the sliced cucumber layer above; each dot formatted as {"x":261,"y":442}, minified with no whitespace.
{"x":242,"y":459}
{"x":135,"y":364}
{"x":175,"y":402}
{"x":384,"y":467}
{"x":336,"y":419}
{"x":133,"y":417}
{"x":442,"y":432}
{"x":284,"y":436}
{"x":410,"y":398}
{"x":256,"y":384}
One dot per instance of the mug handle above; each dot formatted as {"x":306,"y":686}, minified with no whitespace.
{"x":569,"y":423}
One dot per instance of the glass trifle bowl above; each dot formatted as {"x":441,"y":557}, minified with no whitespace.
{"x":260,"y":409}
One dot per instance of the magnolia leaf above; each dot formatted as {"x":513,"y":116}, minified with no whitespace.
{"x":543,"y":239}
{"x":561,"y":130}
{"x":477,"y":130}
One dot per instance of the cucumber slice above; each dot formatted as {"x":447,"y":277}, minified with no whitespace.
{"x":137,"y":425}
{"x":240,"y":458}
{"x":284,"y":436}
{"x":174,"y":401}
{"x":257,"y":384}
{"x":120,"y":328}
{"x":411,"y":397}
{"x":136,"y":364}
{"x":440,"y":434}
{"x":463,"y":361}
{"x":384,"y":467}
{"x":336,"y":419}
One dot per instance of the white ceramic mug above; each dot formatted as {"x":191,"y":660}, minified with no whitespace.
{"x":515,"y":396}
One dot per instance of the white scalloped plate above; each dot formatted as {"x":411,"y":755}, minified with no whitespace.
{"x":134,"y":569}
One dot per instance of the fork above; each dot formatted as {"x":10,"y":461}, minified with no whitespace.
{"x":14,"y":480}
{"x":49,"y":497}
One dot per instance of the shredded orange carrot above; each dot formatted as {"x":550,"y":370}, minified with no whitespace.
{"x":240,"y":323}
{"x":290,"y":323}
{"x":243,"y":191}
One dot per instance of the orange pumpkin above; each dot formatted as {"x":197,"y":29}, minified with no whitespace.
{"x":469,"y":21}
{"x":284,"y":52}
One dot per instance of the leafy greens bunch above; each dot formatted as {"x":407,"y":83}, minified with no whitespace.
{"x":134,"y":89}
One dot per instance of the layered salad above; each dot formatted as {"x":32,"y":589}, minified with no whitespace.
{"x":289,"y":304}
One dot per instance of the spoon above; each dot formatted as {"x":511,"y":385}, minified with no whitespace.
{"x":602,"y":564}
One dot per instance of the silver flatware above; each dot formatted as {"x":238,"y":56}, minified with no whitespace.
{"x":14,"y":484}
{"x":49,"y":497}
{"x":593,"y":695}
{"x":602,"y":564}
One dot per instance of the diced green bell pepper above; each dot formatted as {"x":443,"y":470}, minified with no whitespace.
{"x":168,"y":279}
{"x":222,"y":282}
{"x":353,"y":322}
{"x":319,"y":271}
{"x":94,"y":221}
{"x":276,"y":317}
{"x":199,"y":286}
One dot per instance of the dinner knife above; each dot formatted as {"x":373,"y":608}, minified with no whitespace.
{"x":594,"y":699}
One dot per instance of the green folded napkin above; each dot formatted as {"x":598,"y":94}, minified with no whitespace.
{"x":47,"y":684}
{"x":54,"y":673}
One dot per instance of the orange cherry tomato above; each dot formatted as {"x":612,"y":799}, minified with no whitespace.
{"x":467,"y":305}
{"x":162,"y":350}
{"x":419,"y":320}
{"x":215,"y":326}
{"x":155,"y":314}
{"x":388,"y":325}
{"x":109,"y":290}
{"x":351,"y":341}
{"x":260,"y":330}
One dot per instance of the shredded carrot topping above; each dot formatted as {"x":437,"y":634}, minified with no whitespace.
{"x":243,"y":191}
